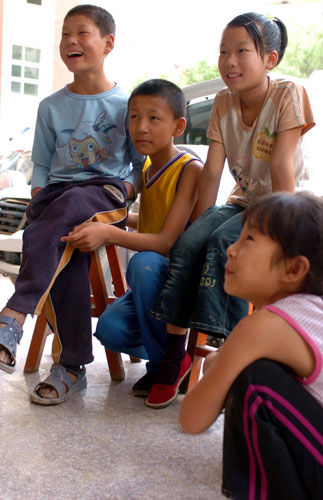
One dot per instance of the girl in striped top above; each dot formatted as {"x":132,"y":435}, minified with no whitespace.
{"x":268,"y":375}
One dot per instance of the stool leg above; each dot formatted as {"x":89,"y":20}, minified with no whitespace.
{"x":115,"y":363}
{"x":98,"y":286}
{"x":37,"y":344}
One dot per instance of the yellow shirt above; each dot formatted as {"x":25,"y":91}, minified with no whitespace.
{"x":158,"y":192}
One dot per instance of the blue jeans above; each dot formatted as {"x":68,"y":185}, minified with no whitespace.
{"x":126,"y":325}
{"x":193,"y":295}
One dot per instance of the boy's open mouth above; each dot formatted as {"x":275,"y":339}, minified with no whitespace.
{"x":72,"y":55}
{"x":233,"y":75}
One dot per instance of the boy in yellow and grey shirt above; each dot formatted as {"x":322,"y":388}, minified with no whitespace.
{"x":169,"y":192}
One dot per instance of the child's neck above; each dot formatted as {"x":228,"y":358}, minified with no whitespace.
{"x":158,"y":160}
{"x":90,"y":84}
{"x":264,"y":301}
{"x":251,"y":102}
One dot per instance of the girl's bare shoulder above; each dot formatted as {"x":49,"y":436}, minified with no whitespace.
{"x":270,"y":336}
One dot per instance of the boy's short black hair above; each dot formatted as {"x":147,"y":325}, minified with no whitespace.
{"x":165,"y":89}
{"x":295,"y":221}
{"x":101,"y":17}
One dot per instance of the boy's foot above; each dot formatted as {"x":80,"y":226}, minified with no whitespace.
{"x":10,"y":335}
{"x":144,"y":384}
{"x":5,"y":357}
{"x":59,"y":385}
{"x":166,"y":388}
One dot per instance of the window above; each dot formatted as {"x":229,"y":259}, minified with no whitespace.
{"x":15,"y":70}
{"x":25,"y":70}
{"x":15,"y":87}
{"x":198,"y":115}
{"x":31,"y":72}
{"x":32,"y":55}
{"x":30,"y":89}
{"x":16,"y":52}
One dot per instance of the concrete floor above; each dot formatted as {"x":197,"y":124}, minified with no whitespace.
{"x":103,"y":443}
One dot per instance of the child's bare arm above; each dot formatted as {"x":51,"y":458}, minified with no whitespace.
{"x":132,"y":220}
{"x":89,"y":236}
{"x":209,"y":360}
{"x":282,"y":162}
{"x":182,"y":208}
{"x":262,"y":335}
{"x":130,"y":190}
{"x":210,"y":178}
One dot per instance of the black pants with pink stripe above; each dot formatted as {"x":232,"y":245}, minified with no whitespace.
{"x":273,"y":437}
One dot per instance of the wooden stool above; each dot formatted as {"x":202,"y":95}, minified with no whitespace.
{"x":100,"y":299}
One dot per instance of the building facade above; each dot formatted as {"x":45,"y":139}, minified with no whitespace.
{"x":30,"y":66}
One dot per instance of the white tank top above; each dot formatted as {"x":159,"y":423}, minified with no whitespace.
{"x":304,"y":313}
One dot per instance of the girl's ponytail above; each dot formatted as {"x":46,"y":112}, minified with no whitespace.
{"x":266,"y":34}
{"x":283,"y":38}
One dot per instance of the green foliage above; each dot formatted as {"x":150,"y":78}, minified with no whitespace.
{"x":303,"y":56}
{"x":198,"y":73}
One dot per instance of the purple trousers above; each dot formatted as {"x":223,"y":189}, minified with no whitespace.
{"x":55,"y":275}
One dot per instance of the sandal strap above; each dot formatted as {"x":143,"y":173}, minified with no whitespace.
{"x":17,"y":330}
{"x":10,"y":335}
{"x":58,"y":379}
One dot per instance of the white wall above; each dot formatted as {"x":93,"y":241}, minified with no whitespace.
{"x":26,"y":25}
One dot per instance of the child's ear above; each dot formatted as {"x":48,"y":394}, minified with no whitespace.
{"x":109,"y":43}
{"x":296,"y":268}
{"x":272,"y":59}
{"x":179,"y":127}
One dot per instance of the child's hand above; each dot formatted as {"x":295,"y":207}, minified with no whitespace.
{"x":88,"y":236}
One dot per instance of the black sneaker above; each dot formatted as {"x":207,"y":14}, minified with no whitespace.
{"x":144,"y":384}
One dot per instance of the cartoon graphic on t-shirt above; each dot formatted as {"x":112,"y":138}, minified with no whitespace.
{"x":242,"y":179}
{"x":89,"y":144}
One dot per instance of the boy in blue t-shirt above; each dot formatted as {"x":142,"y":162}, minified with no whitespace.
{"x":82,"y":156}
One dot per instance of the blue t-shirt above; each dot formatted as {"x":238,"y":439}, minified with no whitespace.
{"x":79,"y":137}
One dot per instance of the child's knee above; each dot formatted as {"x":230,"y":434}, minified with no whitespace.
{"x":138,"y":260}
{"x":142,"y":265}
{"x":260,"y":372}
{"x":186,"y":242}
{"x":226,"y":234}
{"x":70,"y":198}
{"x":108,"y":329}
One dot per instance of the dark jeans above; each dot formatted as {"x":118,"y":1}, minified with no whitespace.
{"x":193,"y":295}
{"x":273,"y":437}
